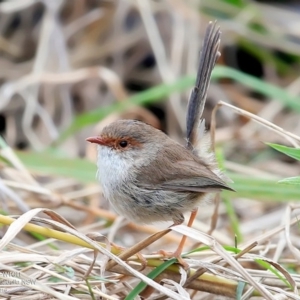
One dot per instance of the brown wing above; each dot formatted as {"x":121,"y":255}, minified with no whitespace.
{"x":197,"y":179}
{"x":173,"y":173}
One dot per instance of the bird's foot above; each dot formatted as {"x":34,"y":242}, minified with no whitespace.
{"x":177,"y":255}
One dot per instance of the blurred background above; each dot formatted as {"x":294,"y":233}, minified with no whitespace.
{"x":63,"y":59}
{"x":67,"y":68}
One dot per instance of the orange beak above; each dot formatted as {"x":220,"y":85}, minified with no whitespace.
{"x":96,"y":140}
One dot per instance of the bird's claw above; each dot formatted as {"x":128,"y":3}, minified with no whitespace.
{"x":181,"y":261}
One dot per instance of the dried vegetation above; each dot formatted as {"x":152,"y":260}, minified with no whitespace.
{"x":67,"y":68}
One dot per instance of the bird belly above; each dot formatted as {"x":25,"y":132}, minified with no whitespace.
{"x":148,"y":207}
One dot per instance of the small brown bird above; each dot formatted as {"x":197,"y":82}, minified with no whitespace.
{"x":148,"y":177}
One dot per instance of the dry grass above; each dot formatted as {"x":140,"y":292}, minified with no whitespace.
{"x":59,"y":61}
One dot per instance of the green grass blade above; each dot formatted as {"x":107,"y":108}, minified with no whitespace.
{"x":49,"y":164}
{"x":261,"y":189}
{"x":271,"y":268}
{"x":153,"y":274}
{"x":2,"y":143}
{"x":240,"y":289}
{"x":290,"y":180}
{"x":292,"y":152}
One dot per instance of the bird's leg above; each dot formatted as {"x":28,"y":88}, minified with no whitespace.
{"x":178,"y":251}
{"x":182,"y":242}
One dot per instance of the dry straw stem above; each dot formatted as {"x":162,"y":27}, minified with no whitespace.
{"x":207,"y":282}
{"x":7,"y":153}
{"x":287,"y":218}
{"x":286,"y":134}
{"x":219,"y":282}
{"x":52,"y":233}
{"x":18,"y":224}
{"x":216,"y":247}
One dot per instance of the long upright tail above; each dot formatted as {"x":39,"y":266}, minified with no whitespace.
{"x":209,"y":55}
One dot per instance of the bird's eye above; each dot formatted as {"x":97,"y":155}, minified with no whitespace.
{"x":123,"y":144}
